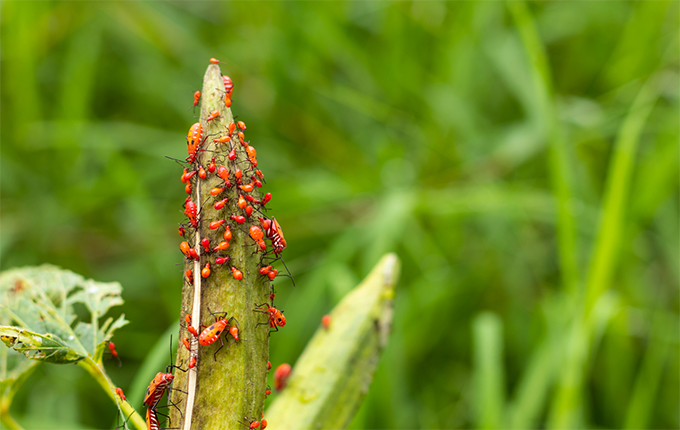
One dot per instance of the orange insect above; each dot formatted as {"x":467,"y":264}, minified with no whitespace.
{"x":228,"y":85}
{"x":205,"y":272}
{"x":114,"y":353}
{"x":191,"y":211}
{"x":276,"y":317}
{"x":214,"y":61}
{"x":251,"y":424}
{"x":221,"y":247}
{"x":281,"y":375}
{"x":214,"y":114}
{"x":119,"y":391}
{"x":257,"y":235}
{"x":237,"y":274}
{"x":197,"y":97}
{"x":194,"y":141}
{"x":220,"y":203}
{"x":326,"y":321}
{"x":216,"y":224}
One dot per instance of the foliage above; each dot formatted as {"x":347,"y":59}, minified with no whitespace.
{"x":39,"y":320}
{"x":419,"y":128}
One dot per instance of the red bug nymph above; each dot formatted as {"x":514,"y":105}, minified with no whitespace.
{"x":276,"y":317}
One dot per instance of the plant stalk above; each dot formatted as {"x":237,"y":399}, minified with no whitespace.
{"x":227,"y":386}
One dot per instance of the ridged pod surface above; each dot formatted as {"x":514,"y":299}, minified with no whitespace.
{"x":223,"y":389}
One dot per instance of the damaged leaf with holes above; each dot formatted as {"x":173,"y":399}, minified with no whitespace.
{"x":39,"y":320}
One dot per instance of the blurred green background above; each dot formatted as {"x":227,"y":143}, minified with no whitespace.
{"x":522,"y":160}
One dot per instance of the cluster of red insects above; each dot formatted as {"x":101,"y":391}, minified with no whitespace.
{"x":247,"y":178}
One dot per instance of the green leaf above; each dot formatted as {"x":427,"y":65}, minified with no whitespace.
{"x":41,"y":304}
{"x":336,"y":368}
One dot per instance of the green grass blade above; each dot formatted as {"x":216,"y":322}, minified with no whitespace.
{"x":559,"y":158}
{"x":333,"y":373}
{"x":617,"y":188}
{"x":566,"y":409}
{"x":489,"y":374}
{"x":643,"y":398}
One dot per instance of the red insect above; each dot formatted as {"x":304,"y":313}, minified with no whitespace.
{"x":214,"y":61}
{"x":220,"y":204}
{"x":184,"y":247}
{"x":197,"y":97}
{"x":223,"y":139}
{"x":251,"y":424}
{"x":187,"y":188}
{"x":119,"y":391}
{"x":186,"y":343}
{"x":232,"y":154}
{"x":248,"y":187}
{"x":205,"y":272}
{"x":221,"y":247}
{"x":281,"y":375}
{"x":216,"y":191}
{"x":232,"y":127}
{"x":326,"y":321}
{"x":190,"y":275}
{"x":216,"y":224}
{"x":152,"y":419}
{"x":114,"y":353}
{"x":259,"y":173}
{"x":194,"y":141}
{"x":211,"y":166}
{"x":212,"y":333}
{"x":242,"y":138}
{"x":272,"y":274}
{"x":223,"y":173}
{"x":269,"y":365}
{"x":265,"y":269}
{"x":241,"y":125}
{"x":192,"y":362}
{"x":257,"y":235}
{"x":274,"y":233}
{"x":228,"y":85}
{"x":238,"y":218}
{"x":266,"y":198}
{"x":202,"y":173}
{"x":186,"y":176}
{"x":181,"y":231}
{"x":190,"y":211}
{"x":205,"y":242}
{"x":249,"y":211}
{"x":268,"y":391}
{"x":227,"y":234}
{"x":190,"y":328}
{"x":222,"y":260}
{"x":160,"y":383}
{"x":252,"y":159}
{"x":193,"y":254}
{"x":263,"y":424}
{"x":241,"y":201}
{"x":237,"y":274}
{"x":214,"y":114}
{"x":276,"y":317}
